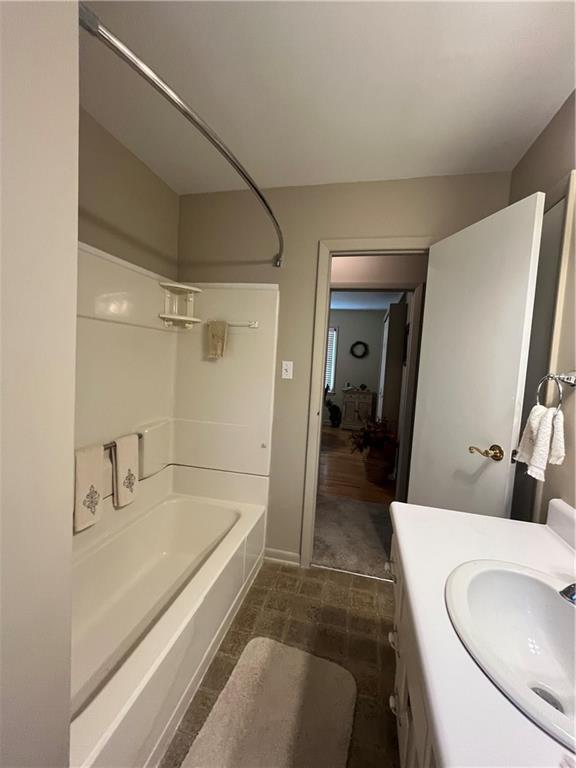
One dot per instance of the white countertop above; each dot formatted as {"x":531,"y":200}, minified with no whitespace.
{"x":472,"y":722}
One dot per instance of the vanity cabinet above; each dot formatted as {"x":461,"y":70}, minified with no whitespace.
{"x":449,"y":712}
{"x":407,"y":700}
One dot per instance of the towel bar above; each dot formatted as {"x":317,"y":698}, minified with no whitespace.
{"x":248,"y":324}
{"x":559,"y":379}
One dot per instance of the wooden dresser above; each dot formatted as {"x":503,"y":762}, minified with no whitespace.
{"x":357,"y":407}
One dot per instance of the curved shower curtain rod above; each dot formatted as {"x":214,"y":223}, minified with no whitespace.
{"x":91,"y":23}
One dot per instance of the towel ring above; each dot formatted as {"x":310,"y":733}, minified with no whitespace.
{"x":543,"y":380}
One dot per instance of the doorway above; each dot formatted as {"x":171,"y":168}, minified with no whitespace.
{"x":368,"y":318}
{"x":363,"y":379}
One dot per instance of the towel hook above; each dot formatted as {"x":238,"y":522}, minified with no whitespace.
{"x":543,"y":380}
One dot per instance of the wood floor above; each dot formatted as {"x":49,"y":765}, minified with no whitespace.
{"x":342,"y":473}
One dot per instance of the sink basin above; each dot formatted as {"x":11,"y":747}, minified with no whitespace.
{"x":520,"y":631}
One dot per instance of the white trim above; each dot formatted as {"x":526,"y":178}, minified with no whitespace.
{"x":242,"y":286}
{"x":282,"y":556}
{"x":409,"y":391}
{"x":366,"y":246}
{"x":326,"y":248}
{"x":562,"y":287}
{"x":321,"y":316}
{"x":565,"y":189}
{"x":120,"y":262}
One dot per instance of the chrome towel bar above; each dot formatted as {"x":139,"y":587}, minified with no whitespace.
{"x":559,"y":379}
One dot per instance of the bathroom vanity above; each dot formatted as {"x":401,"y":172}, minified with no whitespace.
{"x":449,"y":712}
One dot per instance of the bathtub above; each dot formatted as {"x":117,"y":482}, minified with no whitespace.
{"x":150,"y":605}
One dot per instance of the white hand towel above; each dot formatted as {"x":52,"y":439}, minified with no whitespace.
{"x":125,"y":463}
{"x":217,"y":335}
{"x":557,"y":450}
{"x":534,"y":448}
{"x":528,"y":440}
{"x":89,"y":490}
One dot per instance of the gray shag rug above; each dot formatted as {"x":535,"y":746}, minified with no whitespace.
{"x":281,"y":708}
{"x":352,"y":535}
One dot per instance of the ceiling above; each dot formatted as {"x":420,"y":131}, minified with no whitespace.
{"x":364,"y":299}
{"x":323,"y":92}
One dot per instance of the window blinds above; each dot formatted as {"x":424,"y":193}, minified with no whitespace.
{"x":330,"y":372}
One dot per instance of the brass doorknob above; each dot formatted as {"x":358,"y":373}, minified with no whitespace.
{"x":495,"y":452}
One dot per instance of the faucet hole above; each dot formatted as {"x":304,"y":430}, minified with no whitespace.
{"x":548,"y":697}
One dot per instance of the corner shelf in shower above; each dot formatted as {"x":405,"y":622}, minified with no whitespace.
{"x":180,"y":288}
{"x":176,"y":295}
{"x":185,"y":321}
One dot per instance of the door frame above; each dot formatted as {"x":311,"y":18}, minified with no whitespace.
{"x":563,"y":189}
{"x":408,"y":394}
{"x":327,"y":249}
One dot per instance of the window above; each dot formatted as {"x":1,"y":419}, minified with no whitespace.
{"x":330,"y":372}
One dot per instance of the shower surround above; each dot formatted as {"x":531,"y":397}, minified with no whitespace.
{"x":157,"y":583}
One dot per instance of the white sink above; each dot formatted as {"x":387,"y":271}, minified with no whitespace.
{"x":520,"y":630}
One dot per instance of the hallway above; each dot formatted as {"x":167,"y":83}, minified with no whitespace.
{"x":353,"y":530}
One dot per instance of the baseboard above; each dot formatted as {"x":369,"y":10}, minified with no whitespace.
{"x":282,"y":556}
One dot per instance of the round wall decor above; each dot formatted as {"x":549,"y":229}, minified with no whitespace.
{"x":359,"y":349}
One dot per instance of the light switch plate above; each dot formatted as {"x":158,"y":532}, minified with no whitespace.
{"x":287,"y":369}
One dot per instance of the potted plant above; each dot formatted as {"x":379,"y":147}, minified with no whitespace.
{"x":380,"y":445}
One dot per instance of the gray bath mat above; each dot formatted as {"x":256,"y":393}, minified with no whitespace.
{"x":281,"y":708}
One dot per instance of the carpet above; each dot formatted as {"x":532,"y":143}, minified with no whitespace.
{"x":352,"y":535}
{"x":281,"y":708}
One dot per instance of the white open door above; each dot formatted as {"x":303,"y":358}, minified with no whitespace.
{"x":475,"y":339}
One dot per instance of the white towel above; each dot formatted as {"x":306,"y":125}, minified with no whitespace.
{"x":534,"y":448}
{"x":125,"y":463}
{"x":217,"y":335}
{"x":557,"y":450}
{"x":89,"y":490}
{"x":528,"y":439}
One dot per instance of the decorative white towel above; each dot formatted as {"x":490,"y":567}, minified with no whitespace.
{"x":217,"y":335}
{"x":557,"y":450}
{"x":534,"y":448}
{"x":125,"y":463}
{"x":89,"y":489}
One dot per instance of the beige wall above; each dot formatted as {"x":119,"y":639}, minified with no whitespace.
{"x":390,"y":270}
{"x":550,"y":158}
{"x":225,"y":237}
{"x":124,"y":208}
{"x":39,"y":166}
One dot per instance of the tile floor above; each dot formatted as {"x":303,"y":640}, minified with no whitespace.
{"x":335,"y":615}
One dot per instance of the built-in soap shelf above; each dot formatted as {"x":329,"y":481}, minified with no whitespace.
{"x":179,"y":305}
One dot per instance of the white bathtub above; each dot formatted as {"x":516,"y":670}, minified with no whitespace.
{"x":151,"y":603}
